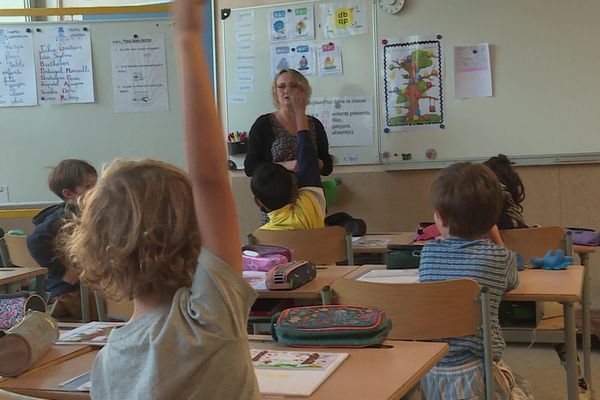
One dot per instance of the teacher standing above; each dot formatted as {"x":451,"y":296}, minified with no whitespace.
{"x":272,"y":137}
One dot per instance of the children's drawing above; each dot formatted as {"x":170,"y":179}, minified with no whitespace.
{"x":412,"y":82}
{"x":291,"y":359}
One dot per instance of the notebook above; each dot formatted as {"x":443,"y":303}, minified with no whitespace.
{"x":93,"y":333}
{"x":391,"y":276}
{"x":293,"y":373}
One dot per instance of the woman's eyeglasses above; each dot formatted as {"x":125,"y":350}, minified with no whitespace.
{"x":290,"y":86}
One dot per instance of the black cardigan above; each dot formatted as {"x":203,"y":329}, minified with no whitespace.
{"x":261,"y":140}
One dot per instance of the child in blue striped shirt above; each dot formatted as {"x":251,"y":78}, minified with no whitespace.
{"x":467,"y":200}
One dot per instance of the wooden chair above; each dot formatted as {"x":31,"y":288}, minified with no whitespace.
{"x":319,"y":246}
{"x":535,"y":242}
{"x":19,"y":256}
{"x":425,"y":311}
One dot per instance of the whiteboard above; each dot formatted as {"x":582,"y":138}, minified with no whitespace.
{"x":358,"y":79}
{"x":544,"y":93}
{"x":35,"y":138}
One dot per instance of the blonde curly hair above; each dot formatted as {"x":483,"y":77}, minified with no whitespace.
{"x":137,"y":235}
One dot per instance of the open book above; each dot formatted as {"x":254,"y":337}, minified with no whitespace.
{"x":293,"y":373}
{"x":93,"y":333}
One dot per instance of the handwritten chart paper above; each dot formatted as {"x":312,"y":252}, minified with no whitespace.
{"x":17,"y":68}
{"x":472,"y":71}
{"x":64,"y":64}
{"x":140,"y":74}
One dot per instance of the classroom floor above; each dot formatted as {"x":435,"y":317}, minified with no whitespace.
{"x":541,"y":367}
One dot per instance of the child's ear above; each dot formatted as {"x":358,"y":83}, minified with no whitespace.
{"x":260,"y":205}
{"x":68,"y":195}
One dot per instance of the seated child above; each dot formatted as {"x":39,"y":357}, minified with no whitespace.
{"x":513,"y":193}
{"x":68,"y":180}
{"x":275,"y":190}
{"x":467,"y":199}
{"x":171,"y":243}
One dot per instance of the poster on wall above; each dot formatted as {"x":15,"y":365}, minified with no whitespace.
{"x":330,"y":59}
{"x":344,"y":18}
{"x":64,"y":64}
{"x":17,"y":67}
{"x":292,"y":23}
{"x":348,"y":120}
{"x":411,"y":82}
{"x":139,"y":72}
{"x":299,"y":56}
{"x":472,"y":71}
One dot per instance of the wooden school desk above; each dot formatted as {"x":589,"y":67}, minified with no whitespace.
{"x":371,"y":373}
{"x":563,"y":286}
{"x":12,"y":278}
{"x":326,"y":275}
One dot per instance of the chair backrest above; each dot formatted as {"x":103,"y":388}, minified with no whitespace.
{"x":535,"y":242}
{"x":424,"y":311}
{"x":319,"y":246}
{"x":18,"y":252}
{"x":429,"y":310}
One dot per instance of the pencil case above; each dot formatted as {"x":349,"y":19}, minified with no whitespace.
{"x":13,"y":307}
{"x":427,"y":231}
{"x":290,"y":275}
{"x":331,"y":326}
{"x":25,"y":343}
{"x":585,"y":237}
{"x":264,"y":257}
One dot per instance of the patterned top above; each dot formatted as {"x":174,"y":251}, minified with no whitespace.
{"x":284,"y":143}
{"x":511,"y":216}
{"x":489,"y":265}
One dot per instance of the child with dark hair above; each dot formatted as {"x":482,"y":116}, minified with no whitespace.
{"x":513,"y":192}
{"x":290,"y":205}
{"x":467,"y":200}
{"x":68,"y":180}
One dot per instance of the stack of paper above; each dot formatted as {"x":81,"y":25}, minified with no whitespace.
{"x":93,"y":333}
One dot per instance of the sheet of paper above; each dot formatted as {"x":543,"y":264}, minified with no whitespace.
{"x":330,"y":59}
{"x":391,"y":276}
{"x":472,"y":71}
{"x":64,"y":64}
{"x":348,"y":121}
{"x":139,"y":72}
{"x":256,"y":279}
{"x":371,"y":243}
{"x":344,"y":18}
{"x":411,"y":72}
{"x":81,"y":383}
{"x":17,"y":67}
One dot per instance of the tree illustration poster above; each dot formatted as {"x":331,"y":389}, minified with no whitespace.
{"x":412,"y":91}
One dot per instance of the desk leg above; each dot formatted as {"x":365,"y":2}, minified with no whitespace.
{"x":585,"y":316}
{"x":571,"y":347}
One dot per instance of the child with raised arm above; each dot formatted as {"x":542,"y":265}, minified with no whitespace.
{"x":467,"y":199}
{"x":171,"y":243}
{"x":292,"y":204}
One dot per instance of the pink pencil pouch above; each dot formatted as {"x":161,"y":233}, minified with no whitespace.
{"x":264,"y":257}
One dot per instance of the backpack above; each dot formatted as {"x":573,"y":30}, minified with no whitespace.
{"x":353,"y":226}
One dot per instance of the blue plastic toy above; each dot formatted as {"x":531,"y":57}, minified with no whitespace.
{"x":554,"y":259}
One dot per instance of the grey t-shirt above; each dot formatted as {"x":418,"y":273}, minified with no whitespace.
{"x":193,"y":348}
